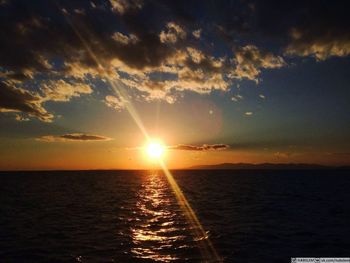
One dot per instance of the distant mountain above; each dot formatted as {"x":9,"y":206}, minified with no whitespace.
{"x":266,"y":166}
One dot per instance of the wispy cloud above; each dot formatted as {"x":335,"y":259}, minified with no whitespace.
{"x":282,"y":154}
{"x":204,"y":147}
{"x":114,"y":102}
{"x":250,"y":60}
{"x":73,"y":137}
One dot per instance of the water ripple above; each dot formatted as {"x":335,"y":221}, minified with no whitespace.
{"x":159,"y":235}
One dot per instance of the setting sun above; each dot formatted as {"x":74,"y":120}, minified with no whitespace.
{"x":155,"y":150}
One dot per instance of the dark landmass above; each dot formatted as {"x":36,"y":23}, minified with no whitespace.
{"x":266,"y":166}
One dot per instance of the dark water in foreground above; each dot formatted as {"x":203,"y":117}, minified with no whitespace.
{"x":118,"y":216}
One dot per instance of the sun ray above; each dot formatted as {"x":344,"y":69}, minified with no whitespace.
{"x":207,"y":249}
{"x":118,"y":89}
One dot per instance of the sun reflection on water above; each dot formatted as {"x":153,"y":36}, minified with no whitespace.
{"x":159,"y":233}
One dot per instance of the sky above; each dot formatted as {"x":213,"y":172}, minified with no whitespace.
{"x":86,"y":84}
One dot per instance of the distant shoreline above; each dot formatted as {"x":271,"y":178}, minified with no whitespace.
{"x":266,"y":166}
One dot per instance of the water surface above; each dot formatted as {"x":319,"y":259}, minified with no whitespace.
{"x":133,"y":216}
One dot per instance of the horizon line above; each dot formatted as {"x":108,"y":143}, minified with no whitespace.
{"x":195,"y":167}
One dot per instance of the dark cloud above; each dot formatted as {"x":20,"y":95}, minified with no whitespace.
{"x":320,"y":46}
{"x":33,"y":34}
{"x":322,"y":31}
{"x":204,"y":147}
{"x":17,"y":99}
{"x":309,"y":28}
{"x":73,"y":137}
{"x":14,"y":99}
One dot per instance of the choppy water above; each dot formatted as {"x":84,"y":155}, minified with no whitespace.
{"x":120,"y":216}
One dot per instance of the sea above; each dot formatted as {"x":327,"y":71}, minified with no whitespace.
{"x":136,"y":216}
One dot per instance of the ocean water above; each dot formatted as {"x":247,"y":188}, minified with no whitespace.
{"x":134,"y":216}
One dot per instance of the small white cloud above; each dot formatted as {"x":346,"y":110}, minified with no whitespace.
{"x":121,"y":6}
{"x":124,"y":39}
{"x":197,"y":33}
{"x":237,"y":97}
{"x":21,"y":118}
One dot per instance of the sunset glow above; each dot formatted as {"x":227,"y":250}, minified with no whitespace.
{"x":155,"y":150}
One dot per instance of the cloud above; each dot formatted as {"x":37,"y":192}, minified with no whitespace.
{"x":197,"y":71}
{"x":321,"y":46}
{"x":17,"y":99}
{"x":21,"y":118}
{"x":73,"y":137}
{"x":31,"y":39}
{"x":14,"y":99}
{"x":137,"y":39}
{"x":61,"y":90}
{"x":124,"y":39}
{"x":237,"y":97}
{"x":70,"y":43}
{"x":173,"y":33}
{"x":122,"y":6}
{"x":197,"y":33}
{"x":114,"y":102}
{"x":310,"y":28}
{"x":250,"y":60}
{"x":282,"y":155}
{"x":188,"y":69}
{"x":204,"y":147}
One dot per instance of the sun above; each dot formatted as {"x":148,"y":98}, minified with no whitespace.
{"x":155,"y":150}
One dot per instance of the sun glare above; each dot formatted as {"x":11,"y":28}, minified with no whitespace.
{"x":155,"y":150}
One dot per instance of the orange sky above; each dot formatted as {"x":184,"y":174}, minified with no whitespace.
{"x":105,"y":155}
